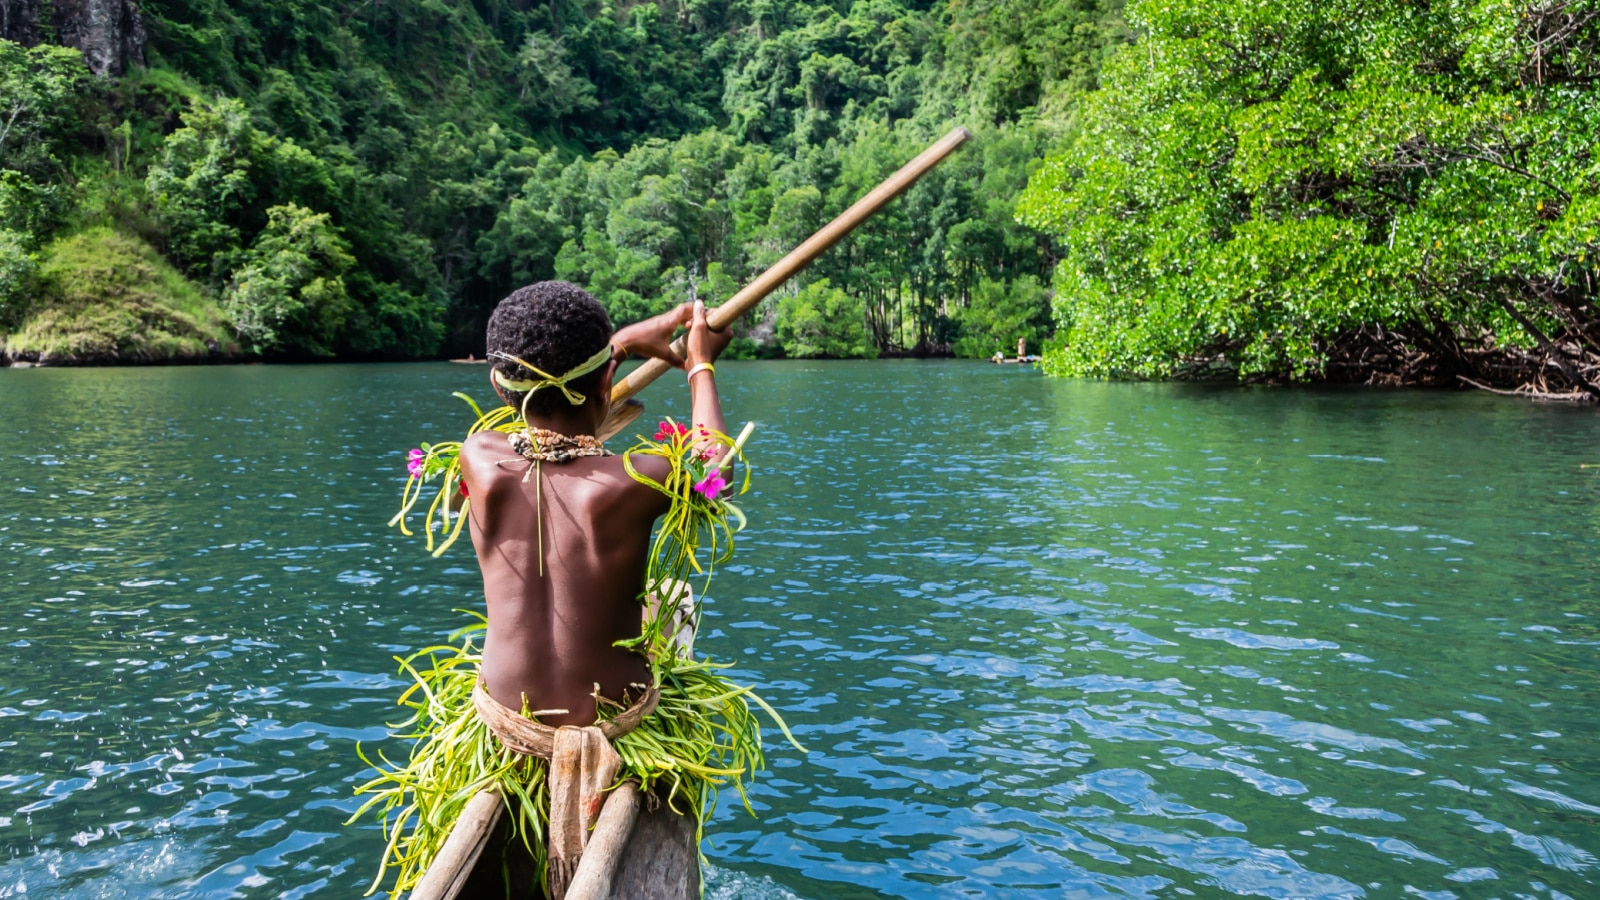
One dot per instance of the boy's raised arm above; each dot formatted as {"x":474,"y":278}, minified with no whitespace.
{"x":702,"y":348}
{"x":652,"y":338}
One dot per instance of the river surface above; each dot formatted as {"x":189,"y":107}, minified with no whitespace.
{"x":1040,"y":637}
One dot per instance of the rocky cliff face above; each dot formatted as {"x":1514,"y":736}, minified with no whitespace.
{"x":110,"y":33}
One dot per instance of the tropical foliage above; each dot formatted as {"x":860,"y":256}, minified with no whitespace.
{"x":435,"y":156}
{"x":1345,"y":189}
{"x":823,"y":320}
{"x":16,"y":272}
{"x":290,"y":287}
{"x":101,"y":296}
{"x":40,"y":92}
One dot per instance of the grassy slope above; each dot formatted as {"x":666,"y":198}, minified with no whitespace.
{"x":105,"y":296}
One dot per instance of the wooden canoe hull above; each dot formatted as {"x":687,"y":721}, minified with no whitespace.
{"x":661,"y":862}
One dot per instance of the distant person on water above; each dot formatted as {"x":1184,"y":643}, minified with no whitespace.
{"x":586,"y":677}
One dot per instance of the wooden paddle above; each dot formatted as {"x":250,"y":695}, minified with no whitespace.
{"x":624,"y":410}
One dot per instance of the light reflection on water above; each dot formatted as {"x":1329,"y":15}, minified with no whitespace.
{"x":1039,"y":636}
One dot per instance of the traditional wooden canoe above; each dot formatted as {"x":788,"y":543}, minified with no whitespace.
{"x":634,"y":853}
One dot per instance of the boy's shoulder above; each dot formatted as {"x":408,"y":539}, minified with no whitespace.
{"x":485,"y":448}
{"x":482,"y":454}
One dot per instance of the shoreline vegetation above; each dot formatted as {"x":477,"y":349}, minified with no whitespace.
{"x":365,"y":181}
{"x":112,"y":300}
{"x":1384,"y":194}
{"x":1174,"y":190}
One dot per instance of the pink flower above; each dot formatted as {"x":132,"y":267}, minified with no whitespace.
{"x":670,"y":431}
{"x":712,"y":484}
{"x":414,"y":462}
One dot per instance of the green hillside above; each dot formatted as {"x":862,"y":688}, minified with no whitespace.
{"x":101,"y":296}
{"x":365,"y":180}
{"x":1387,"y":194}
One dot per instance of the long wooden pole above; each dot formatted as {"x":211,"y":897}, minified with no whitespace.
{"x":801,"y":256}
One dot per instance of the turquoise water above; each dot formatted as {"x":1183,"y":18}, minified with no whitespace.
{"x":1040,"y":637}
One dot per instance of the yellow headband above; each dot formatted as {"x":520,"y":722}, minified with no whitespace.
{"x":545,"y":379}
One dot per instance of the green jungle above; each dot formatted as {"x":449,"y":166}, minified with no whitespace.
{"x":1280,"y":191}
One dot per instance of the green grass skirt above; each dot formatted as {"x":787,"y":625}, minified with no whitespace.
{"x":701,"y":736}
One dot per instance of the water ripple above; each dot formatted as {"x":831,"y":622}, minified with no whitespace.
{"x":1091,"y":641}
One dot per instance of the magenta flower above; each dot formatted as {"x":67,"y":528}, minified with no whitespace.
{"x":414,"y":462}
{"x":670,"y":430}
{"x":712,"y":484}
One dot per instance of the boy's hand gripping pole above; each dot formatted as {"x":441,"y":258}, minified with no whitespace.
{"x":753,"y":293}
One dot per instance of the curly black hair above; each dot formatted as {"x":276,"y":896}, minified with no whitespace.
{"x":555,"y":326}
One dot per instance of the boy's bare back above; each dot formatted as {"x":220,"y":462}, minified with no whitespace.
{"x":564,"y":552}
{"x":552,"y":636}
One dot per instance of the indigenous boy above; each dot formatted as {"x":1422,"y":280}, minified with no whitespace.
{"x":578,"y":684}
{"x":564,"y":555}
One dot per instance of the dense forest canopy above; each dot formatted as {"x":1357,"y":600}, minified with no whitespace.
{"x":1397,"y":192}
{"x":1348,"y":190}
{"x":366,"y":178}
